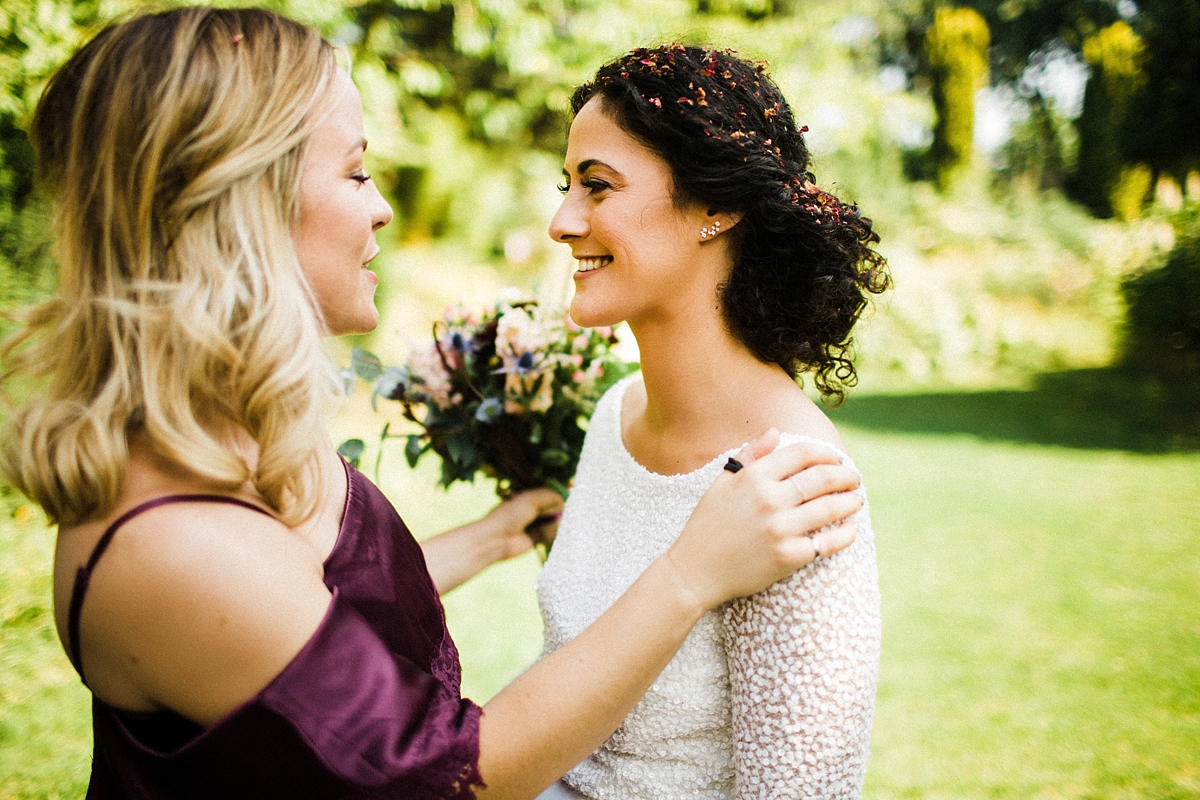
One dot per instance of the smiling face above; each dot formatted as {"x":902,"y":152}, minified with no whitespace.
{"x":640,"y":257}
{"x":340,"y":210}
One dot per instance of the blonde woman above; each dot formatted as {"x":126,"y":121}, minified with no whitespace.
{"x":251,"y":616}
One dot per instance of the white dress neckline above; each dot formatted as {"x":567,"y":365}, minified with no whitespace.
{"x":618,"y":390}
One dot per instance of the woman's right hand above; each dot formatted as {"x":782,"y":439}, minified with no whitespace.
{"x":760,"y":524}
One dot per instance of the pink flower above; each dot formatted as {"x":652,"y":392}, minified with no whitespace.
{"x":425,"y":366}
{"x":517,"y":332}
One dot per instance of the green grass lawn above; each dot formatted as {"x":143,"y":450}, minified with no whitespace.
{"x":1041,"y":628}
{"x":1042,"y":636}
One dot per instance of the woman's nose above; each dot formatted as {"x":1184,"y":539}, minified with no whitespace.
{"x":569,"y":221}
{"x":381,"y":209}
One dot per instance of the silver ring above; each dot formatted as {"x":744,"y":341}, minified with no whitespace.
{"x":812,"y":539}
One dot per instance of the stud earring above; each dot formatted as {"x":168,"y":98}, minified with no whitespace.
{"x":711,"y":231}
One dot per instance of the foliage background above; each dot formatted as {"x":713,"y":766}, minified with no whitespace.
{"x":468,"y":107}
{"x":1031,"y":446}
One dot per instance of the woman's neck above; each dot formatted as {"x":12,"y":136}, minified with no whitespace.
{"x":704,"y":393}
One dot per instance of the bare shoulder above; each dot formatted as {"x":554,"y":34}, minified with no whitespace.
{"x":793,"y":411}
{"x":195,"y":606}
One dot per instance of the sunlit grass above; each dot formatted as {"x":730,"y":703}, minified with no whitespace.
{"x":1041,"y":637}
{"x":1041,"y":633}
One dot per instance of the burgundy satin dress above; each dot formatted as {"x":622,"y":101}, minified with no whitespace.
{"x":369,"y":708}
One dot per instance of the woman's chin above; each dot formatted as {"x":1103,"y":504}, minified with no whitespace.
{"x":362,"y":323}
{"x":589,"y":315}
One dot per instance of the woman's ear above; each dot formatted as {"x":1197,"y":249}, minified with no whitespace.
{"x":714,"y":224}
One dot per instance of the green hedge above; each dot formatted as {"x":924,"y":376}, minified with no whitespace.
{"x":1162,"y":333}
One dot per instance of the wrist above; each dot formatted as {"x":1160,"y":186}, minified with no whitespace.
{"x":678,"y":583}
{"x":486,"y":544}
{"x":469,"y":547}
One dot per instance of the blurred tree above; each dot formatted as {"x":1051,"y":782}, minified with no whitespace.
{"x":956,"y":48}
{"x":1103,"y":181}
{"x":35,"y":37}
{"x":750,"y":9}
{"x":1036,"y":151}
{"x":1164,"y":118}
{"x":1024,"y":36}
{"x":1022,"y":28}
{"x":468,"y":87}
{"x":1158,"y":132}
{"x":1162,"y":332}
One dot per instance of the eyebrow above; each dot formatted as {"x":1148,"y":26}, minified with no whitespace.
{"x":588,"y":163}
{"x":361,"y":144}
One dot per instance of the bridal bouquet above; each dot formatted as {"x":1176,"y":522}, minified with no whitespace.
{"x":505,"y":391}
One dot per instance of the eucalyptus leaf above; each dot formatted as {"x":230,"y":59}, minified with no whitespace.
{"x":463,"y":450}
{"x":439,"y":418}
{"x":449,"y":473}
{"x":352,"y":450}
{"x":393,"y":382}
{"x":413,"y":449}
{"x":365,"y":364}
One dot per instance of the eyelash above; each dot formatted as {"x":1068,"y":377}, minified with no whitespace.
{"x":592,"y":185}
{"x":361,"y":177}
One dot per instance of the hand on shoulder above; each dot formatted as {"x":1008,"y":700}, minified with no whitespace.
{"x":754,"y":524}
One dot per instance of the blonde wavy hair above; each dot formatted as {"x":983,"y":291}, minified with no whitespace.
{"x":172,"y":144}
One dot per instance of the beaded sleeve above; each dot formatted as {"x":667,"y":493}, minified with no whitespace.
{"x":803,"y":662}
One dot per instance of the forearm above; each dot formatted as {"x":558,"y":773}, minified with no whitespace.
{"x":564,"y":707}
{"x":456,"y":556}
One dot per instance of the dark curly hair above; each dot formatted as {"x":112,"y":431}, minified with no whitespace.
{"x":802,"y":259}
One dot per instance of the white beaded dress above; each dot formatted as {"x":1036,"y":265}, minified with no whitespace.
{"x":770,"y":696}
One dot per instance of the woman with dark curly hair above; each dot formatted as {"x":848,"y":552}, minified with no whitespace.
{"x":693,"y":216}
